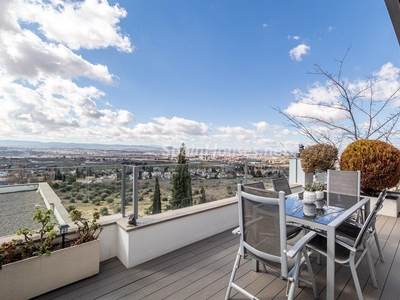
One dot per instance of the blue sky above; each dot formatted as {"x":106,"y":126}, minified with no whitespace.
{"x":206,"y":73}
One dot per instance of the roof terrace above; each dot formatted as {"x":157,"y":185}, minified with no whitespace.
{"x":201,"y":271}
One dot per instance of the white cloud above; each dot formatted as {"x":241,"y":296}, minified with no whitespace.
{"x":91,"y":24}
{"x":263,"y":127}
{"x":297,"y":52}
{"x":170,"y":131}
{"x":330,"y":29}
{"x":386,"y":83}
{"x":176,"y":125}
{"x":320,"y":100}
{"x":265,"y":25}
{"x":317,"y":102}
{"x":236,"y":133}
{"x":25,"y":56}
{"x":293,"y":37}
{"x":40,"y":93}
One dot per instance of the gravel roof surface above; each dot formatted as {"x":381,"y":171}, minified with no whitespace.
{"x":17,"y":211}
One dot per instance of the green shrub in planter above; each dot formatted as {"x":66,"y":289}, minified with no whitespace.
{"x":310,"y":187}
{"x":379,"y":163}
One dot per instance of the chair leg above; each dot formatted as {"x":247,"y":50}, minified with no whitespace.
{"x":371,"y":267}
{"x":311,"y":272}
{"x":235,"y":267}
{"x":292,"y":281}
{"x":355,"y":277}
{"x":378,"y":245}
{"x":318,"y":258}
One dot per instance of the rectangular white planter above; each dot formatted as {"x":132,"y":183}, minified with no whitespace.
{"x":390,"y":207}
{"x":38,"y":275}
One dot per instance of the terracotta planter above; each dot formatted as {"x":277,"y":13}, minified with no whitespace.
{"x":34,"y":276}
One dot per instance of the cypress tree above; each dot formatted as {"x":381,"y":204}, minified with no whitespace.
{"x":202,"y":195}
{"x":156,"y":206}
{"x":181,"y":182}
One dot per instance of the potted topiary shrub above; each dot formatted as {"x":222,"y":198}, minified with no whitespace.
{"x":378,"y":162}
{"x":39,"y":261}
{"x":318,"y":158}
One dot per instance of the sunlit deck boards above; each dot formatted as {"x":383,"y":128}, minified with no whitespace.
{"x":202,"y":270}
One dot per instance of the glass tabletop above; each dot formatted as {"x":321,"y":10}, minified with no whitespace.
{"x":294,"y":208}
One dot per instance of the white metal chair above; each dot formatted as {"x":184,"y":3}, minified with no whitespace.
{"x":340,"y":184}
{"x":262,"y":223}
{"x":281,"y":184}
{"x":258,"y":188}
{"x":351,"y":254}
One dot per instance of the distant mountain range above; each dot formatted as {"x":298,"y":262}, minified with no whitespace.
{"x":58,"y":145}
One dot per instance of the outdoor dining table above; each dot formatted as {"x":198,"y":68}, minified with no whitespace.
{"x":326,"y":219}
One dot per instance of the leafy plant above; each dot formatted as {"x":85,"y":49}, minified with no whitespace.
{"x":318,"y":158}
{"x":46,"y":234}
{"x":87,"y":230}
{"x":30,"y":245}
{"x":41,"y":241}
{"x":309,"y":187}
{"x":379,"y":163}
{"x":319,"y":186}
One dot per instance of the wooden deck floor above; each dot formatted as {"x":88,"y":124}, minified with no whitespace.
{"x":202,"y":270}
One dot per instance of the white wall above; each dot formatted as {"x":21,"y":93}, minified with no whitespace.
{"x":174,"y":230}
{"x":109,"y":237}
{"x":296,"y":173}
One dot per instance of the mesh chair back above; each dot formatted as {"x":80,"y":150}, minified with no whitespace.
{"x":258,"y":185}
{"x":281,"y":184}
{"x":343,"y":188}
{"x":255,"y":190}
{"x":370,"y":219}
{"x":262,"y":221}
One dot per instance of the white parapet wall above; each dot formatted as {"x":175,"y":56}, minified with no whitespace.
{"x":389,"y":208}
{"x":159,"y":234}
{"x":18,"y":188}
{"x":54,"y":203}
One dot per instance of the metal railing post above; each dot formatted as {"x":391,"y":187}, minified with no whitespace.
{"x":245,"y":171}
{"x":135,"y":197}
{"x":123,"y":189}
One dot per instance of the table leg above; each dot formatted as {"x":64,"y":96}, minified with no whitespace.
{"x":255,"y":265}
{"x":330,"y":264}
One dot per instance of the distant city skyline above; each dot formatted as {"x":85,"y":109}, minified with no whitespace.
{"x":9,"y":148}
{"x":205,"y":73}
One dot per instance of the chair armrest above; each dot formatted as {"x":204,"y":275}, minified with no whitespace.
{"x":236,"y":231}
{"x":300,"y":244}
{"x":340,"y":242}
{"x":345,"y":245}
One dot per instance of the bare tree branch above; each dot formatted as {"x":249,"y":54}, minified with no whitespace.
{"x":365,"y":115}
